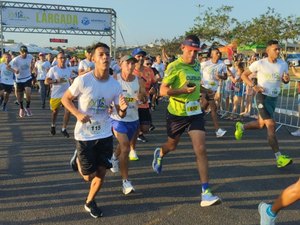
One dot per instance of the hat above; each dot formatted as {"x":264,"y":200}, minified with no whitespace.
{"x":23,"y":48}
{"x":192,"y":44}
{"x":138,"y":51}
{"x":41,"y":54}
{"x":127,"y":58}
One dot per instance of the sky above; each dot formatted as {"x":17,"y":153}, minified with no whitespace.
{"x":142,"y":22}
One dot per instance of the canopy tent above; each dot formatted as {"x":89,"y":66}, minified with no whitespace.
{"x":32,"y":48}
{"x":257,"y":48}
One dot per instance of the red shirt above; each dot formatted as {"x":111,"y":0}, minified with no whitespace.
{"x":147,"y":75}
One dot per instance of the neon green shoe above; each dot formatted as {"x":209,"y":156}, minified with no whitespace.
{"x":238,"y":131}
{"x":283,"y":161}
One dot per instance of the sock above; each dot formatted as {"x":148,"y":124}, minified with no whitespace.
{"x":27,"y":104}
{"x":21,"y":105}
{"x":277,"y":154}
{"x":269,"y":211}
{"x":125,"y":180}
{"x":52,"y":125}
{"x":63,"y":129}
{"x":205,"y":186}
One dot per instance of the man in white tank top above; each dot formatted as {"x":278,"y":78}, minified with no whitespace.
{"x":125,"y":128}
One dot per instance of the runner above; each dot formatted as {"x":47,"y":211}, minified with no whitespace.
{"x":41,"y":68}
{"x":59,"y":77}
{"x":125,"y":128}
{"x":271,"y":71}
{"x":268,"y":212}
{"x":86,"y":65}
{"x":213,"y":72}
{"x":182,"y":84}
{"x":147,"y":75}
{"x":23,"y":65}
{"x":95,"y":91}
{"x":6,"y":80}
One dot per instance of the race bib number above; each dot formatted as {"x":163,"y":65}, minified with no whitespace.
{"x":193,"y":108}
{"x":93,"y":128}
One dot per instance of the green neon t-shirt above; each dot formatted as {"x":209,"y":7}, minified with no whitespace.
{"x":176,"y":75}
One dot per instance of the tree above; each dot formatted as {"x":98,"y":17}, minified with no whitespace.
{"x":214,"y":24}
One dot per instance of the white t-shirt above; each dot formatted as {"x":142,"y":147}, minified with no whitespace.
{"x":85,"y":64}
{"x":228,"y":82}
{"x":160,"y":68}
{"x":269,"y":75}
{"x":6,"y":76}
{"x":24,"y":67}
{"x":209,"y":72}
{"x":130,"y":92}
{"x":42,"y":69}
{"x":58,"y":89}
{"x":74,"y":71}
{"x":94,"y":99}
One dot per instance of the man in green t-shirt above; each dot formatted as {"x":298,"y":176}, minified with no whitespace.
{"x":182,"y":84}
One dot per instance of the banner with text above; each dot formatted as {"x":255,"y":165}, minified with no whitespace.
{"x":54,"y":19}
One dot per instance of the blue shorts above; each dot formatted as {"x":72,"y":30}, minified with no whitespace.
{"x":128,"y":128}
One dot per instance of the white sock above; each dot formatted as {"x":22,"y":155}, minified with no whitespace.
{"x":277,"y":154}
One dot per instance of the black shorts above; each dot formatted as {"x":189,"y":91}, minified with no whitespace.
{"x":176,"y":125}
{"x":209,"y":95}
{"x":6,"y":87}
{"x":265,"y":106}
{"x":95,"y":153}
{"x":21,"y":86}
{"x":144,"y":116}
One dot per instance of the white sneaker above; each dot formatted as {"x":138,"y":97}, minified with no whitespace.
{"x":133,"y":156}
{"x":127,"y":187}
{"x":296,"y":133}
{"x":115,"y":165}
{"x":220,"y":132}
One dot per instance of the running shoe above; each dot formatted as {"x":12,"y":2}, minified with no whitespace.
{"x":296,"y":133}
{"x":220,"y":132}
{"x":157,"y":161}
{"x":127,"y":187}
{"x":209,"y":199}
{"x":53,"y":130}
{"x":238,"y":131}
{"x":133,"y":156}
{"x":65,"y":133}
{"x":93,"y":209}
{"x":73,"y":162}
{"x":151,"y":128}
{"x":115,"y":164}
{"x":142,"y":138}
{"x":283,"y":161}
{"x":21,"y":113}
{"x":265,"y":218}
{"x":28,"y":112}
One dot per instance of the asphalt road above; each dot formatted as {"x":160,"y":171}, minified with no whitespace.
{"x":37,"y":185}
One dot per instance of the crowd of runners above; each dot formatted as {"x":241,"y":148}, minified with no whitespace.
{"x":114,"y":99}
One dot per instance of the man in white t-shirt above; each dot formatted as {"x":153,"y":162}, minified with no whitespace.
{"x":23,"y":66}
{"x":42,"y":67}
{"x":271,"y":71}
{"x":86,"y":65}
{"x":59,"y":77}
{"x":213,"y":71}
{"x":95,"y":91}
{"x":6,"y":80}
